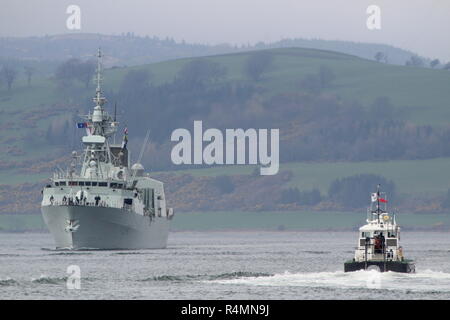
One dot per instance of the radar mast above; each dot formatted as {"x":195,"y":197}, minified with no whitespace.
{"x":99,"y":99}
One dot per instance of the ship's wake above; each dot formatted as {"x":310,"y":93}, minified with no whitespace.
{"x":207,"y":277}
{"x":425,"y":281}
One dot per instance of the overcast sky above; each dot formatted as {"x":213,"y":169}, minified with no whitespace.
{"x":418,"y":25}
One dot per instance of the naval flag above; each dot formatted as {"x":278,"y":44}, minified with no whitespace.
{"x":85,"y":125}
{"x":375,"y":197}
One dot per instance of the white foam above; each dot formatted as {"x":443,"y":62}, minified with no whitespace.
{"x":427,"y":280}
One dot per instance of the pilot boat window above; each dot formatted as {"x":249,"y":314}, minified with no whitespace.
{"x":113,"y":185}
{"x":62,"y":183}
{"x":365,"y":234}
{"x":73,"y":183}
{"x":57,"y":184}
{"x":81,"y":183}
{"x":103,"y":184}
{"x":391,"y":235}
{"x":119,"y":185}
{"x":87,"y":183}
{"x":391,"y":242}
{"x":94,"y":183}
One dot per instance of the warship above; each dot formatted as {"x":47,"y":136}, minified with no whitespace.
{"x":378,"y":242}
{"x":106,"y":204}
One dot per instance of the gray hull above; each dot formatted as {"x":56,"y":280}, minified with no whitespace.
{"x":86,"y":227}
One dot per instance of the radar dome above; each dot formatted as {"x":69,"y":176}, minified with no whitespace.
{"x":137,"y":169}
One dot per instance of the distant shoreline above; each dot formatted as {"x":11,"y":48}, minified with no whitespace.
{"x":263,"y":221}
{"x":42,"y":231}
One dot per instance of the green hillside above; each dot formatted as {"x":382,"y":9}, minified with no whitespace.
{"x":425,"y":92}
{"x":412,"y":177}
{"x":421,"y":95}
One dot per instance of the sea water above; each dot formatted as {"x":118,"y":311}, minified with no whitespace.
{"x":222,"y":265}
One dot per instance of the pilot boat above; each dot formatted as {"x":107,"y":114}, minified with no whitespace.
{"x":378,"y":241}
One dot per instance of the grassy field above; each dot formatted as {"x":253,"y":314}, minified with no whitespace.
{"x":421,"y":92}
{"x":215,"y":221}
{"x":411,"y":176}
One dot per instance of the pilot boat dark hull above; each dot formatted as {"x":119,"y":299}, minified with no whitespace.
{"x":406,"y":266}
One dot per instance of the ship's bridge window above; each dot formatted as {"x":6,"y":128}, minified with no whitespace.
{"x":87,"y":183}
{"x":392,"y":235}
{"x":94,"y":183}
{"x":103,"y":184}
{"x":365,"y":234}
{"x":62,"y":183}
{"x":81,"y":183}
{"x":73,"y":183}
{"x":57,"y":184}
{"x":113,"y":185}
{"x":120,"y":185}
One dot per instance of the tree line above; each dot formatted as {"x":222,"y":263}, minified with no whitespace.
{"x":414,"y":61}
{"x":9,"y":73}
{"x":66,"y":74}
{"x":348,"y":192}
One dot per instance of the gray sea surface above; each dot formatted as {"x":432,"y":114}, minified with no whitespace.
{"x":222,"y":265}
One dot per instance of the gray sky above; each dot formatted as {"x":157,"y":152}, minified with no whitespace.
{"x":418,"y":25}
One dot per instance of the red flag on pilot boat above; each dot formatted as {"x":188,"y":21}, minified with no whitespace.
{"x":382,"y":200}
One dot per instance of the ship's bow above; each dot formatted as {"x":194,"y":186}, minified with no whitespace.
{"x":87,"y":227}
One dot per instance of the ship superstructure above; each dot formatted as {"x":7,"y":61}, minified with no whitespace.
{"x":105,"y":204}
{"x":379,"y":241}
